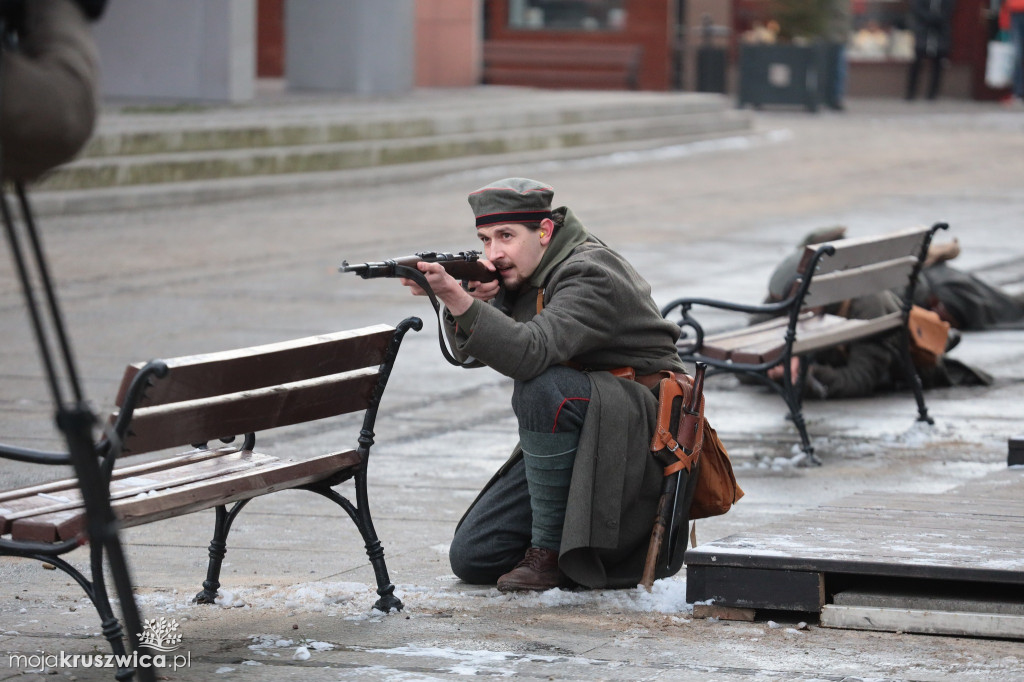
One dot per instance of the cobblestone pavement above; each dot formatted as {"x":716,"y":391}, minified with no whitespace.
{"x":702,"y":219}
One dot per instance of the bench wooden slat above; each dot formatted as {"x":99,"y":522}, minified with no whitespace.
{"x":855,"y":282}
{"x":188,"y":470}
{"x":721,"y":346}
{"x":252,"y":482}
{"x":55,"y":487}
{"x":820,"y":333}
{"x":856,"y":252}
{"x":849,"y":330}
{"x":813,"y":332}
{"x":206,"y":419}
{"x":769,"y":347}
{"x":200,"y":376}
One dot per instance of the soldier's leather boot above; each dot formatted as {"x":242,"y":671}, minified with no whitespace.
{"x":538,"y":571}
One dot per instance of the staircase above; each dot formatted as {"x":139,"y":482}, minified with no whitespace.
{"x":160,"y":156}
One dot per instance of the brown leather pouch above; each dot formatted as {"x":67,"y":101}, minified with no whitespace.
{"x":928,"y":336}
{"x":716,"y":490}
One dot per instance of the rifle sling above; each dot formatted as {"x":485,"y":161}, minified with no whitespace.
{"x":418,"y":277}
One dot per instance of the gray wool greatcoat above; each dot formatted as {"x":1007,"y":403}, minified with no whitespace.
{"x":597,"y":314}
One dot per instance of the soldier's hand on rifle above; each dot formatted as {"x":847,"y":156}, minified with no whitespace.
{"x":447,"y":289}
{"x":485,"y":291}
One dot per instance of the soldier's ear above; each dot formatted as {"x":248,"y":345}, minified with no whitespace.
{"x":547,"y":230}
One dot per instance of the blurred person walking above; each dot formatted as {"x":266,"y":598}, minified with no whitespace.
{"x":838,"y":26}
{"x":1011,"y":18}
{"x":931,"y":21}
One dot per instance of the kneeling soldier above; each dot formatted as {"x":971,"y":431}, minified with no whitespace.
{"x":575,"y":502}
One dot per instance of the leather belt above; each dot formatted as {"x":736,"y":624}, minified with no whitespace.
{"x":651,"y":381}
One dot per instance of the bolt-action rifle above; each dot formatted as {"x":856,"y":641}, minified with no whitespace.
{"x":464,"y":266}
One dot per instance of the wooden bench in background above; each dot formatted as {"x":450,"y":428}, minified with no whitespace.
{"x":214,"y":398}
{"x":828,"y":273}
{"x":562,"y":65}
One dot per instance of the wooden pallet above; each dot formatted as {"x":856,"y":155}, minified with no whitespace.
{"x":965,"y":542}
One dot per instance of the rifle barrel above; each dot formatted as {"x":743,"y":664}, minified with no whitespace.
{"x":464,"y":265}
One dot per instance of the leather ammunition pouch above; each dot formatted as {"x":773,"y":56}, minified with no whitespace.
{"x":928,"y":336}
{"x":680,"y":443}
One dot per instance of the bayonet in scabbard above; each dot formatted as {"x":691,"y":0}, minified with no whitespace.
{"x":691,"y":413}
{"x":683,"y":466}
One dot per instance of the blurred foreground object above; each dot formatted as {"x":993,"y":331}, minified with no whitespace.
{"x":49,"y":73}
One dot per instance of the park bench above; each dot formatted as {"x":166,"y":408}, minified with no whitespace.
{"x":827,"y":274}
{"x":562,"y":65}
{"x":203,"y":403}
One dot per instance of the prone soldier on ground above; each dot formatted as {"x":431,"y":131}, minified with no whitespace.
{"x":866,"y":367}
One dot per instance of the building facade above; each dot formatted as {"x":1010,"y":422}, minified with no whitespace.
{"x":216,"y":49}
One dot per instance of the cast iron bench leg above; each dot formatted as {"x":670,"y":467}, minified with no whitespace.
{"x":915,"y":378}
{"x":793,"y":393}
{"x":361,"y":517}
{"x":218,"y":548}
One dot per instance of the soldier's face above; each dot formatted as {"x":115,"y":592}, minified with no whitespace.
{"x":515,"y":250}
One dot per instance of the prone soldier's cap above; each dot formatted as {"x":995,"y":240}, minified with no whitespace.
{"x":824,"y":234}
{"x":512,"y":200}
{"x":784,"y":275}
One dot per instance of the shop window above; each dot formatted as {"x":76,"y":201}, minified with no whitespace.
{"x":881,"y":31}
{"x":567,"y":15}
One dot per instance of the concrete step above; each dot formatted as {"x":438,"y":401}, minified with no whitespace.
{"x":122,"y":134}
{"x":482,"y":168}
{"x":182,"y":166}
{"x":153,"y":156}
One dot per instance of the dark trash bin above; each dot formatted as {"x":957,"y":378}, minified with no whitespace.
{"x":711,"y":69}
{"x":783,"y":74}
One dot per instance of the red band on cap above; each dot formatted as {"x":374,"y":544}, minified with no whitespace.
{"x":516,"y":217}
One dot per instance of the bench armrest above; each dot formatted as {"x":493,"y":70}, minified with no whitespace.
{"x":136,"y":391}
{"x":17,"y":454}
{"x":684,"y":304}
{"x":688,"y":321}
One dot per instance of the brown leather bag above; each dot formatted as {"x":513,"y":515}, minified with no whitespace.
{"x":716,"y":490}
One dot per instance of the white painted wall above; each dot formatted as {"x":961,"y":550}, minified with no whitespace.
{"x":356,"y":46}
{"x":178,"y":49}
